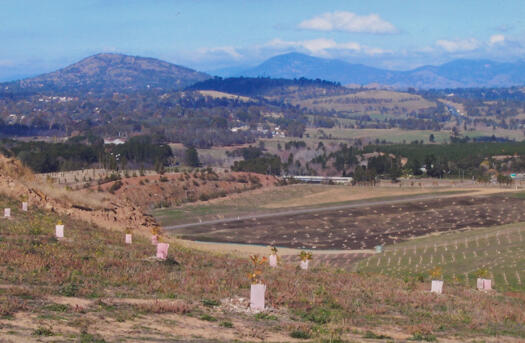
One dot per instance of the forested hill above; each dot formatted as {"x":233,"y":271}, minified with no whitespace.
{"x":262,"y":86}
{"x":108,"y":73}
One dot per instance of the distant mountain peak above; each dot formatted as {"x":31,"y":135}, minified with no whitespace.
{"x":113,"y":72}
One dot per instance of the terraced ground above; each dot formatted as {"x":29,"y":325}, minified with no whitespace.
{"x":499,"y":249}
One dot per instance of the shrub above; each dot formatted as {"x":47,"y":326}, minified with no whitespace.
{"x":210,"y":302}
{"x":41,"y":331}
{"x":300,"y":334}
{"x":265,"y":316}
{"x":318,"y":315}
{"x":115,"y":187}
{"x":69,"y":289}
{"x":226,"y":324}
{"x":57,"y":307}
{"x":427,"y":337}
{"x":371,"y":335}
{"x":208,"y":318}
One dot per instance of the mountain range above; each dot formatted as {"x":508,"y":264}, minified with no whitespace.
{"x":108,"y":72}
{"x":457,"y":73}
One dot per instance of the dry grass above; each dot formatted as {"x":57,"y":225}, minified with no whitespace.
{"x":93,"y":262}
{"x":219,"y":95}
{"x":177,"y":306}
{"x":372,"y":101}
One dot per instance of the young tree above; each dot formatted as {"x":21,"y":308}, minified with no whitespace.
{"x":191,"y":156}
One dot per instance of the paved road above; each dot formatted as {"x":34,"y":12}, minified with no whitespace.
{"x":314,"y":210}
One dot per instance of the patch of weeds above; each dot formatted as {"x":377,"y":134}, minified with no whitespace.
{"x":300,"y":334}
{"x":265,"y":316}
{"x":208,"y":318}
{"x":333,"y":340}
{"x":370,"y":334}
{"x":35,"y":230}
{"x":57,"y":307}
{"x":89,"y":338}
{"x":69,"y":289}
{"x":106,"y":306}
{"x":318,"y":315}
{"x":226,"y":324}
{"x":123,"y":316}
{"x":427,"y":337}
{"x":42,"y":331}
{"x":210,"y":302}
{"x":170,"y":261}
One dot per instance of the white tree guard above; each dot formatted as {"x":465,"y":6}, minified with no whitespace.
{"x":257,"y":292}
{"x":273,"y":261}
{"x":59,"y":231}
{"x":304,"y":265}
{"x":437,"y":286}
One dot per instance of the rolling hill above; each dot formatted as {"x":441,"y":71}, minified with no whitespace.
{"x":457,"y":73}
{"x":109,"y":73}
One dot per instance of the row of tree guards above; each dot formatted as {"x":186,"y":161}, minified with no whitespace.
{"x":7,"y":211}
{"x":258,"y":288}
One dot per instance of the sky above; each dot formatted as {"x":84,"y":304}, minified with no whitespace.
{"x":40,"y":36}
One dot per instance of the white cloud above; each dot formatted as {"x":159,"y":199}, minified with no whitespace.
{"x":349,"y":22}
{"x":496,"y":39}
{"x":458,"y":45}
{"x":376,"y":51}
{"x":318,"y":46}
{"x":221,"y":50}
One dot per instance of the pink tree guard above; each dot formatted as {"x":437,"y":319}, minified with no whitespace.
{"x":128,"y":238}
{"x":273,"y":261}
{"x":484,"y":284}
{"x":162,"y":250}
{"x":304,"y":265}
{"x":7,"y":212}
{"x":154,"y":240}
{"x":59,"y":231}
{"x":24,"y":206}
{"x":437,"y":286}
{"x":257,"y":297}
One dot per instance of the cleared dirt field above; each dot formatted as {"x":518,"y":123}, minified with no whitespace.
{"x":371,"y":101}
{"x":364,"y":227}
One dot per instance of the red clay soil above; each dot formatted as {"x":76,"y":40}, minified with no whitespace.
{"x":172,"y":189}
{"x":19,"y":182}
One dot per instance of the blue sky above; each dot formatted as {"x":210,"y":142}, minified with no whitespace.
{"x":40,"y":36}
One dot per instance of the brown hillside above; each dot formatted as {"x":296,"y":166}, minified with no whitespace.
{"x":173,"y":189}
{"x":18,"y":182}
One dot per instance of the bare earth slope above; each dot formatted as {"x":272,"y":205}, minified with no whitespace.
{"x":18,"y":182}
